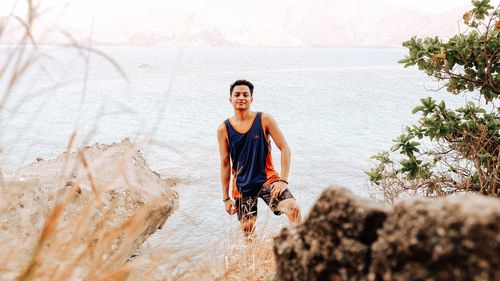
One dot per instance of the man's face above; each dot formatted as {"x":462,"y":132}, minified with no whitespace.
{"x":241,"y":99}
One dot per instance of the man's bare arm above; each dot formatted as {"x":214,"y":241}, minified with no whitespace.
{"x":225,"y":169}
{"x":272,"y":127}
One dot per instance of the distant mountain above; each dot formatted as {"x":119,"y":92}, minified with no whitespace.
{"x":373,"y":25}
{"x":320,"y":23}
{"x":277,"y":23}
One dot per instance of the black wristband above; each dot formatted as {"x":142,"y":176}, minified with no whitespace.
{"x":224,"y":200}
{"x":283,"y":181}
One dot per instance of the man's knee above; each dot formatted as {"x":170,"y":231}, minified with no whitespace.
{"x":295,"y":210}
{"x":295,"y":213}
{"x":290,"y":207}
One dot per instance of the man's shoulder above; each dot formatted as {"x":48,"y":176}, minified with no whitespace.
{"x":266,"y":116}
{"x":222,"y":126}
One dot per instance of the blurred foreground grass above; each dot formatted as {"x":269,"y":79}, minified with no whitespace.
{"x":74,"y":250}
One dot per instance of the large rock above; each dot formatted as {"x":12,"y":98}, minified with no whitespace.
{"x":80,"y":211}
{"x":334,"y":241}
{"x":349,"y":238}
{"x":454,"y":238}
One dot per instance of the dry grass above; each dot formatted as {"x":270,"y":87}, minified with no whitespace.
{"x":230,"y":260}
{"x":74,"y":238}
{"x":235,"y":260}
{"x":247,"y":262}
{"x":69,"y":243}
{"x":85,"y":236}
{"x":82,"y":238}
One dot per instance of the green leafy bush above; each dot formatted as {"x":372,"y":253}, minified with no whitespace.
{"x":465,"y":141}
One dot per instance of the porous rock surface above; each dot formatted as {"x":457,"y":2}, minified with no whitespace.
{"x":350,"y":238}
{"x":453,"y":238}
{"x":334,"y":241}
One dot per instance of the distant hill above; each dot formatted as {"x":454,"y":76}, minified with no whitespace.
{"x":280,"y":23}
{"x":277,"y":23}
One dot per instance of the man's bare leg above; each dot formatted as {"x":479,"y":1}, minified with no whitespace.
{"x":291,"y":209}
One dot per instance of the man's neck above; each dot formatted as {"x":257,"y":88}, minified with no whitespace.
{"x":242,"y":115}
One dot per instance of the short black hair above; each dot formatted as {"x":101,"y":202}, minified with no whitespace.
{"x":241,"y":83}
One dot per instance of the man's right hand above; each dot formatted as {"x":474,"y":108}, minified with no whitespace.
{"x":230,"y":207}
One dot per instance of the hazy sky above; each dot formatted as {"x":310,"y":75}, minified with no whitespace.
{"x":268,"y":22}
{"x":81,"y":11}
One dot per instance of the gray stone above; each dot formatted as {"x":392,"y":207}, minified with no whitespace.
{"x":453,"y":238}
{"x":334,"y":241}
{"x":350,"y":238}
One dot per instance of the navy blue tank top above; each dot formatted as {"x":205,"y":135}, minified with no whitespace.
{"x":248,"y":156}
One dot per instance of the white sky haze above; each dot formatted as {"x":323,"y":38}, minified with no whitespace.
{"x":250,"y":23}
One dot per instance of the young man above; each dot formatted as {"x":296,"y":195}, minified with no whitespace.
{"x":245,"y":152}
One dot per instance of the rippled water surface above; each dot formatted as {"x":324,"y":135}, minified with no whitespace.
{"x":336,"y":107}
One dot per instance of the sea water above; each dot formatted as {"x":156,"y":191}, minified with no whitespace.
{"x":335,"y":106}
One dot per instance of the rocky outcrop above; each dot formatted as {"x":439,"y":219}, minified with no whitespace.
{"x":454,"y":238}
{"x":349,"y":238}
{"x":334,"y":241}
{"x":90,"y":208}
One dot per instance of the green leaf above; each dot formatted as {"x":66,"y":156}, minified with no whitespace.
{"x":417,"y":109}
{"x":395,"y":147}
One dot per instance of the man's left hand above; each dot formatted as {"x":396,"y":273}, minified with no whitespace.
{"x":277,"y":188}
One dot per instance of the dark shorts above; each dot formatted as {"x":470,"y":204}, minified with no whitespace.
{"x":247,"y":205}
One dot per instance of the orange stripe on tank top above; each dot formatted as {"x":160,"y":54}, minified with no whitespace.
{"x":271,"y":174}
